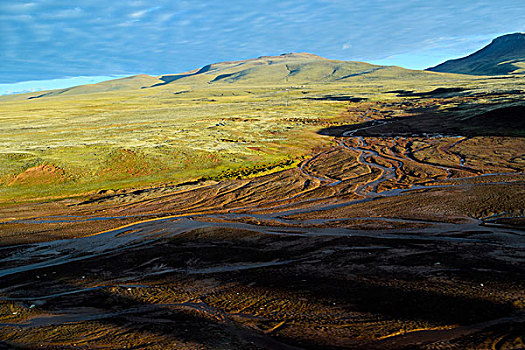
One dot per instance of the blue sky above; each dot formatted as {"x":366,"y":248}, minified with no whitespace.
{"x":51,"y":39}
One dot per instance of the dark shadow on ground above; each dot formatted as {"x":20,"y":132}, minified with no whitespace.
{"x":320,"y":277}
{"x":503,"y":121}
{"x":436,"y":93}
{"x":342,"y":98}
{"x":171,"y":78}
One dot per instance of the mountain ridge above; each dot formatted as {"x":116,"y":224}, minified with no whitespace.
{"x":289,"y":68}
{"x":504,"y":55}
{"x":276,"y":69}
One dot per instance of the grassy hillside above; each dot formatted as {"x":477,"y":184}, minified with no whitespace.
{"x":293,"y":68}
{"x":504,"y":55}
{"x":287,"y":68}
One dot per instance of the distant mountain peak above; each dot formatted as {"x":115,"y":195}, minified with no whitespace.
{"x":504,"y":55}
{"x":513,"y":37}
{"x":290,"y":67}
{"x":302,"y":55}
{"x":290,"y":55}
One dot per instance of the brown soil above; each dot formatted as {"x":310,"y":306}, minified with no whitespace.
{"x":41,"y":174}
{"x":377,"y":242}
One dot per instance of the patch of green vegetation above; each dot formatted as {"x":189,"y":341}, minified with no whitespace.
{"x":254,"y":170}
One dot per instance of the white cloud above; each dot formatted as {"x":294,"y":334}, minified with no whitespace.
{"x":165,"y":17}
{"x":67,"y":13}
{"x":140,"y":14}
{"x":127,"y":23}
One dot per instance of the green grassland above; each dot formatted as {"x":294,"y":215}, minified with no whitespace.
{"x":232,"y":119}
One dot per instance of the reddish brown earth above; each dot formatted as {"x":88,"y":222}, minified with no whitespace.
{"x":387,"y":239}
{"x":41,"y":174}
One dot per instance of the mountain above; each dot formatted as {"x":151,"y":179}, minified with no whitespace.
{"x":504,"y":55}
{"x":127,"y":83}
{"x":289,"y":68}
{"x":286,"y":68}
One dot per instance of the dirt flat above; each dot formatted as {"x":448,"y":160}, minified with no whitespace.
{"x":385,"y":239}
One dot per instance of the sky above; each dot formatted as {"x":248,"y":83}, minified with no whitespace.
{"x":43,"y":40}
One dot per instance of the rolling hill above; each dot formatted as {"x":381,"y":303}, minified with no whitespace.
{"x":289,"y":68}
{"x":504,"y":55}
{"x":286,"y":68}
{"x":128,"y":83}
